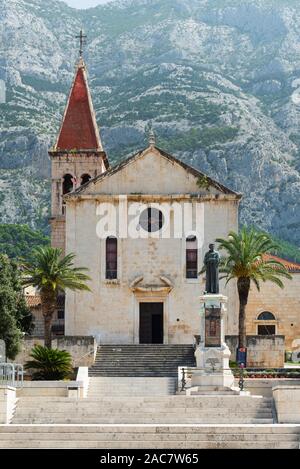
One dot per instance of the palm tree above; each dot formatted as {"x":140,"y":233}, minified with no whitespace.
{"x":247,"y":262}
{"x":51,"y":273}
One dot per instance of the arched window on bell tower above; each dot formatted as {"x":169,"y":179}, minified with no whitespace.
{"x":85,"y":178}
{"x":67,"y":183}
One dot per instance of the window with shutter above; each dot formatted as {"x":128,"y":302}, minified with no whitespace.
{"x":191,"y":257}
{"x":111,"y":257}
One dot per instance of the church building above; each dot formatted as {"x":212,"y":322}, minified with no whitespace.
{"x":142,"y":228}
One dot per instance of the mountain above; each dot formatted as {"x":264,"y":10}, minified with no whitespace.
{"x":220,"y":81}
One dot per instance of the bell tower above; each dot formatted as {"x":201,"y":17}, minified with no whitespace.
{"x":77,"y":155}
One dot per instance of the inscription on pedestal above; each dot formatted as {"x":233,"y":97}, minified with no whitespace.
{"x":212,"y":326}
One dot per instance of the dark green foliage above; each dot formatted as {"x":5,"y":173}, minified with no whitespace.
{"x":286,"y":250}
{"x":19,"y":240}
{"x":199,"y":138}
{"x":15,"y":317}
{"x":49,"y":364}
{"x":283,"y":248}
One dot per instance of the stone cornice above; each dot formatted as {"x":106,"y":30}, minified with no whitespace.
{"x":73,"y":197}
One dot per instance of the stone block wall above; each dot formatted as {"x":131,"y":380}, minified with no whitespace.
{"x":262,"y":351}
{"x":287,"y":403}
{"x":284,"y":304}
{"x":58,"y":233}
{"x":82,"y":349}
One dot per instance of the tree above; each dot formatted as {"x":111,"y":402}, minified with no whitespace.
{"x":247,"y":262}
{"x":51,"y":274}
{"x":18,"y":240}
{"x":15,"y":317}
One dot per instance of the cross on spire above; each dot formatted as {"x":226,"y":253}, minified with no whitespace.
{"x":82,"y":38}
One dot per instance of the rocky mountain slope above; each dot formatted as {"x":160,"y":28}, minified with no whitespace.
{"x":218,"y":79}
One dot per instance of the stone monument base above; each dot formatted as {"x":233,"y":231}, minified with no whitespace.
{"x":214,"y":391}
{"x":213,"y":374}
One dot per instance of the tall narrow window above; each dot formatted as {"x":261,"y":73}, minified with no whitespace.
{"x":111,"y":257}
{"x":191,"y":257}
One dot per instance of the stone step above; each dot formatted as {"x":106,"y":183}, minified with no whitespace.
{"x":136,"y":401}
{"x":163,"y":401}
{"x":150,"y":436}
{"x":271,"y":429}
{"x":124,"y":386}
{"x":143,"y":360}
{"x":108,"y":409}
{"x":139,"y":418}
{"x":121,"y":436}
{"x":145,"y":445}
{"x":142,"y":421}
{"x":98,"y":404}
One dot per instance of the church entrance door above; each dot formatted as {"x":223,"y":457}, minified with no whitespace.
{"x":151,"y":323}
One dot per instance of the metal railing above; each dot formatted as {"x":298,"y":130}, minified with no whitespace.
{"x":78,"y":359}
{"x":240,"y":374}
{"x":185,"y":373}
{"x":11,"y":374}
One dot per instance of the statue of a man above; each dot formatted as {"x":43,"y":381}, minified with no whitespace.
{"x":211,"y":262}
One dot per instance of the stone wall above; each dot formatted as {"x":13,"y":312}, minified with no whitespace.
{"x":76,"y":165}
{"x":58,"y":232}
{"x":262,"y":351}
{"x":284,"y":304}
{"x":264,"y":386}
{"x":287,"y":403}
{"x":7,"y":403}
{"x":82,"y":349}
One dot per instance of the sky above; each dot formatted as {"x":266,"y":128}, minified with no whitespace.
{"x":85,"y":3}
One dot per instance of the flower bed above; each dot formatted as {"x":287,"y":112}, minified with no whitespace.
{"x":261,"y":373}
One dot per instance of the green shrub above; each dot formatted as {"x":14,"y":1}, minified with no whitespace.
{"x":49,"y":364}
{"x":233,"y":364}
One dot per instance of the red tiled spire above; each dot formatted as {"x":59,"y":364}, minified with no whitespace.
{"x":79,"y":129}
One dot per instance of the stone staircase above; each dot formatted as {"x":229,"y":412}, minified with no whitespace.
{"x":149,"y":360}
{"x":144,"y":410}
{"x":131,"y":386}
{"x":150,"y":436}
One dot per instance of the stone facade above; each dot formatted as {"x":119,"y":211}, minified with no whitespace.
{"x":284,"y":304}
{"x":150,"y":269}
{"x":262,"y":351}
{"x":82,"y":349}
{"x":77,"y":165}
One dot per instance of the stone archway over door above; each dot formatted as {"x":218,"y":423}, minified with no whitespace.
{"x":156,"y":294}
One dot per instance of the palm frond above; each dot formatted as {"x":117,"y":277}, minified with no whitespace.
{"x":246,"y":258}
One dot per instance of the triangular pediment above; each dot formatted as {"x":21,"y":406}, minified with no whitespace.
{"x":153,"y":171}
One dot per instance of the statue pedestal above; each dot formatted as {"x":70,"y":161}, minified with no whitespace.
{"x":212,"y":354}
